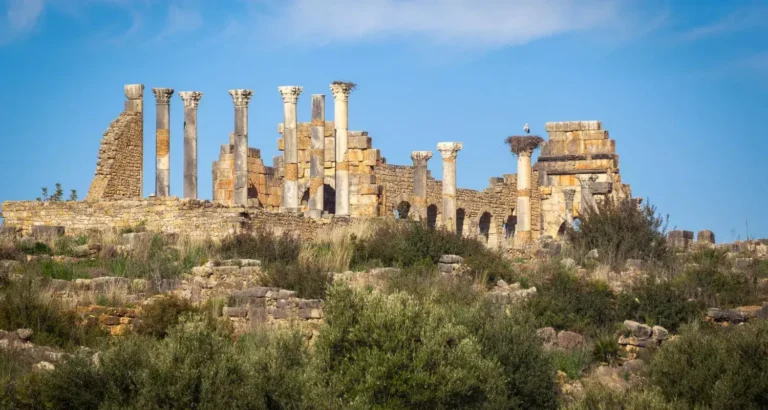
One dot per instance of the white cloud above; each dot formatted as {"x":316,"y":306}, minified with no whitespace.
{"x":22,"y":15}
{"x":475,"y":22}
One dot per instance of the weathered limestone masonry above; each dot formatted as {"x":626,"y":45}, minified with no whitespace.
{"x":317,"y":157}
{"x":419,"y":202}
{"x":577,"y":167}
{"x":191,"y":101}
{"x":163,"y":141}
{"x":194,"y":218}
{"x":341,"y":120}
{"x":290,"y":96}
{"x":448,"y":150}
{"x":523,"y":147}
{"x":241,"y":98}
{"x":121,"y":154}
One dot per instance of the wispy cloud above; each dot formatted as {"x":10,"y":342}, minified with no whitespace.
{"x":477,"y":22}
{"x":181,"y":19}
{"x":749,"y":17}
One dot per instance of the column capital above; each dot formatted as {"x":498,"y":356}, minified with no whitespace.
{"x":420,"y":158}
{"x":241,"y":97}
{"x":134,"y":91}
{"x":290,"y":93}
{"x":163,"y":95}
{"x":449,"y":150}
{"x":191,"y":98}
{"x":524,"y":146}
{"x":341,"y":90}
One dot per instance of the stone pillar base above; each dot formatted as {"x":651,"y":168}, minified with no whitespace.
{"x":523,"y":238}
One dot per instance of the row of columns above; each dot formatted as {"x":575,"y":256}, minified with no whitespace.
{"x":241,"y":98}
{"x":448,"y":152}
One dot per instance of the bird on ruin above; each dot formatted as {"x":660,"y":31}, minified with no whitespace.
{"x":526,"y":128}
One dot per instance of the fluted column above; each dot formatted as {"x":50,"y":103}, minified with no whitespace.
{"x":163,"y":141}
{"x":290,"y":95}
{"x":340,"y":117}
{"x":523,"y":147}
{"x":241,"y":98}
{"x":191,"y":101}
{"x":419,"y":205}
{"x":448,"y":151}
{"x":317,"y":156}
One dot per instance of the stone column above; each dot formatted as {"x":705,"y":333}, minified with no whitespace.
{"x":448,"y":150}
{"x":523,"y":147}
{"x":290,"y":95}
{"x":569,"y":194}
{"x":317,"y":157}
{"x":135,"y":95}
{"x":163,"y":141}
{"x":340,"y":117}
{"x":241,"y":98}
{"x":191,"y":100}
{"x":419,"y":202}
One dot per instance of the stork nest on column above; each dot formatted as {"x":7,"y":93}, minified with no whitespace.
{"x":348,"y":84}
{"x":526,"y":143}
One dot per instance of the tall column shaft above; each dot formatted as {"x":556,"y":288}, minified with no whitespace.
{"x":317,"y":156}
{"x":448,"y":151}
{"x":524,"y":194}
{"x":340,"y":117}
{"x":163,"y":141}
{"x":191,"y":101}
{"x":419,"y":205}
{"x":291,"y":157}
{"x":241,"y":98}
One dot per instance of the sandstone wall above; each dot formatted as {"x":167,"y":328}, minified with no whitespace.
{"x":264,"y":184}
{"x":119,"y":165}
{"x":195,"y":218}
{"x":488,"y":214}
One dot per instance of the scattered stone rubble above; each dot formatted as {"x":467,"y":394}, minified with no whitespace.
{"x":642,"y":336}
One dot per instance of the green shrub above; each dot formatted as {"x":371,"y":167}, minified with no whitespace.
{"x":621,"y":230}
{"x":397,"y":352}
{"x":716,"y":367}
{"x":571,"y":362}
{"x":606,"y":349}
{"x":22,"y":305}
{"x":597,"y":397}
{"x":569,"y":303}
{"x":36,"y":248}
{"x":716,"y":286}
{"x":262,"y":245}
{"x":162,"y":315}
{"x":658,"y":302}
{"x":408,"y":243}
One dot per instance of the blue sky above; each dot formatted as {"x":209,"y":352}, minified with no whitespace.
{"x":681,"y":85}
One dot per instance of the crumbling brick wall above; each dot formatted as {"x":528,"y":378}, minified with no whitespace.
{"x":120,"y":160}
{"x":264,"y":185}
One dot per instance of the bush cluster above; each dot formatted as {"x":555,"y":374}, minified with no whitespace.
{"x":621,"y":230}
{"x":715,"y":367}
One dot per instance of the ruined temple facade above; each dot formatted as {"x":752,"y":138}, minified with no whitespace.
{"x":328,"y":171}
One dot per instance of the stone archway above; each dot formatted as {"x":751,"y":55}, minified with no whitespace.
{"x":304,"y":202}
{"x":509,"y":229}
{"x":484,"y":227}
{"x":432,"y":216}
{"x":329,"y":199}
{"x":461,"y":220}
{"x":402,"y":210}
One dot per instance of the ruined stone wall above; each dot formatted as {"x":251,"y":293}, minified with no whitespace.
{"x":362,"y":159}
{"x":195,"y":218}
{"x":120,"y":160}
{"x":488,"y":215}
{"x":263,"y":183}
{"x":578,"y":165}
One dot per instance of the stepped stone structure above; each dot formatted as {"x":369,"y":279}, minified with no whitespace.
{"x":327,"y":171}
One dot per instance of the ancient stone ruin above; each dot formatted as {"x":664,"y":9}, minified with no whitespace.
{"x":328,"y":174}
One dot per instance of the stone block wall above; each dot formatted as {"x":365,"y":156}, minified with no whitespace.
{"x":194,"y":218}
{"x":362,"y":158}
{"x":488,"y":215}
{"x":578,"y":166}
{"x":264,"y":185}
{"x":120,"y":160}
